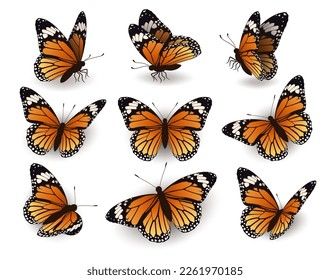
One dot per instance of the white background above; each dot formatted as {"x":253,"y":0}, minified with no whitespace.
{"x":103,"y":170}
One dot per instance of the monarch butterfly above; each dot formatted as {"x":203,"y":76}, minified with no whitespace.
{"x":179,"y":204}
{"x":263,"y":213}
{"x":155,"y":42}
{"x":60,"y":57}
{"x":49,"y":206}
{"x":272,"y":134}
{"x":258,"y":44}
{"x":150,"y":131}
{"x":48,"y":132}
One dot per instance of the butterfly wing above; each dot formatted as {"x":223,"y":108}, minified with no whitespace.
{"x":73,"y":135}
{"x":185,"y":196}
{"x":291,"y":209}
{"x":77,"y":38}
{"x":247,"y":54}
{"x":178,"y":50}
{"x":147,"y":127}
{"x":46,"y":204}
{"x":290,"y":112}
{"x":145,"y":213}
{"x":146,"y":44}
{"x":42,"y":133}
{"x":191,"y":117}
{"x":152,"y":24}
{"x":261,"y":204}
{"x":270,"y":35}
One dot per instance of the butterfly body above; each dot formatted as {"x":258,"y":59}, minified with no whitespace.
{"x":156,"y":43}
{"x":163,"y":203}
{"x":178,"y":132}
{"x":262,"y":213}
{"x":47,"y":132}
{"x":238,"y":59}
{"x":65,"y":210}
{"x":279,"y":130}
{"x":75,"y":70}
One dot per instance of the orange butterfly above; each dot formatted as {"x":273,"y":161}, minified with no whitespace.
{"x":49,"y":206}
{"x":48,"y":132}
{"x":60,"y":57}
{"x":179,"y":204}
{"x":179,"y":131}
{"x":263,"y":213}
{"x":155,"y":42}
{"x":258,"y":44}
{"x":272,"y":135}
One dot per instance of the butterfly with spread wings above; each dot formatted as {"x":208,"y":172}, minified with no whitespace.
{"x":156,"y":43}
{"x":263,"y":213}
{"x":48,"y":132}
{"x":59,"y":57}
{"x":178,"y":204}
{"x":272,"y":135}
{"x":179,"y":131}
{"x":255,"y":53}
{"x":48,"y":205}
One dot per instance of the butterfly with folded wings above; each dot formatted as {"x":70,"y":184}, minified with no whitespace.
{"x":263,"y":214}
{"x":156,"y":43}
{"x":255,"y":53}
{"x":60,"y":57}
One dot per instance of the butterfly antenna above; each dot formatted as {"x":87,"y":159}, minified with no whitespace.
{"x":259,"y":116}
{"x":231,"y":40}
{"x":271,"y":109}
{"x":227,"y":41}
{"x":69,"y":113}
{"x":137,"y":62}
{"x":144,"y":180}
{"x":161,"y":179}
{"x":172,"y":110}
{"x":157,"y":110}
{"x":74,"y":195}
{"x":90,"y":57}
{"x":62,"y":113}
{"x":279,"y":201}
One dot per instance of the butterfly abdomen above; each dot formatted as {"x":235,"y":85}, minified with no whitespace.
{"x":273,"y":222}
{"x":57,"y":215}
{"x":280,"y":131}
{"x":164,"y":204}
{"x":165,"y":133}
{"x":72,"y":70}
{"x":59,"y":135}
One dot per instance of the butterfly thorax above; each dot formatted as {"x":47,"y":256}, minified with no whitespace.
{"x":63,"y":211}
{"x":240,"y":61}
{"x":59,"y":135}
{"x":164,"y":204}
{"x":280,"y":131}
{"x":273,"y":222}
{"x":165,"y":132}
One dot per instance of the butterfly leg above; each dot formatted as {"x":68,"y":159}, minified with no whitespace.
{"x":165,"y":74}
{"x":153,"y":75}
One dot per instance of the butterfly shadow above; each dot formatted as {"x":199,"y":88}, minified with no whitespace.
{"x":68,"y":85}
{"x":252,"y":82}
{"x":173,"y":78}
